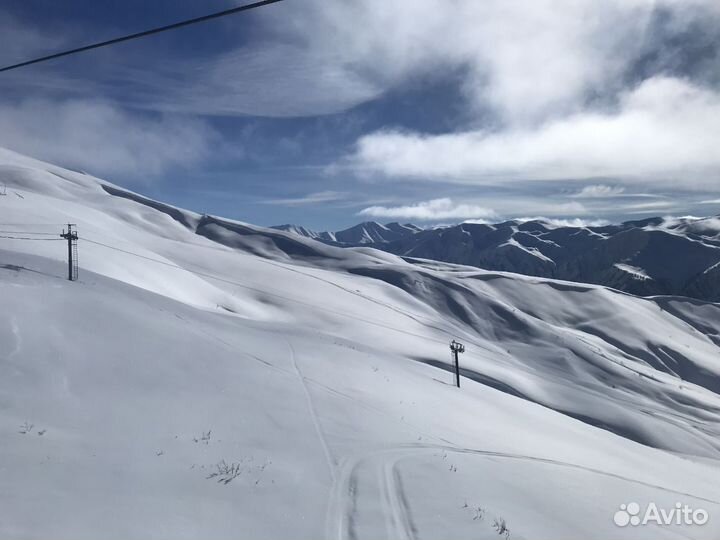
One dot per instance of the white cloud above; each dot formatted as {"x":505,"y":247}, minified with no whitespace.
{"x":447,"y":209}
{"x":561,"y":209}
{"x":651,"y":206}
{"x":434,"y":209}
{"x":597,"y":191}
{"x":706,"y":225}
{"x":549,"y":73}
{"x":100,"y":137}
{"x":311,"y":198}
{"x":471,"y":221}
{"x":518,"y":206}
{"x":526,"y":60}
{"x":575,"y":222}
{"x":490,"y":208}
{"x":665,"y":128}
{"x":270,"y":80}
{"x":711,"y":201}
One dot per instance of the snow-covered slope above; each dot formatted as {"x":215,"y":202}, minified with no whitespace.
{"x":206,"y":378}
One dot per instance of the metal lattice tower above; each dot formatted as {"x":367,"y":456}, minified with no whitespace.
{"x":456,"y":348}
{"x":72,"y":237}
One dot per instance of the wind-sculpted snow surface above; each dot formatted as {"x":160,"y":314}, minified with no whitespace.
{"x":206,"y":378}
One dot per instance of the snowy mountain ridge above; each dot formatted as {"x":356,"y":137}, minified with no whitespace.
{"x":208,"y":378}
{"x":678,"y":256}
{"x":366,"y":233}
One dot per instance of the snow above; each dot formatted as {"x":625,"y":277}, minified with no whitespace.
{"x":706,"y":228}
{"x":314,"y":379}
{"x":637,"y":273}
{"x":713,"y":267}
{"x":530,"y":250}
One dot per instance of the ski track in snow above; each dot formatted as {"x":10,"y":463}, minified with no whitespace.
{"x":343,"y":517}
{"x":403,"y":527}
{"x":313,"y":413}
{"x":18,"y":337}
{"x":308,"y":398}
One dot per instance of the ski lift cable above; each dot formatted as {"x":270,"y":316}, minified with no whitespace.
{"x":144,"y":33}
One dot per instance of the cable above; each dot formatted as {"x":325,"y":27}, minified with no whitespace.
{"x":144,"y":33}
{"x":27,"y":238}
{"x":29,"y":232}
{"x":33,"y":224}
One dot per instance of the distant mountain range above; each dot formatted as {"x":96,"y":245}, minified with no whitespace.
{"x":648,"y":257}
{"x":369,"y":232}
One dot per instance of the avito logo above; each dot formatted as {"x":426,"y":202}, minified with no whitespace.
{"x":681,"y":514}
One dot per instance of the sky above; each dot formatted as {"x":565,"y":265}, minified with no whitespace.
{"x":325,"y":114}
